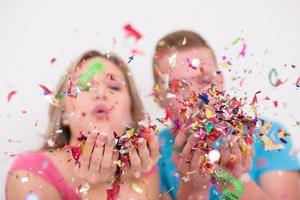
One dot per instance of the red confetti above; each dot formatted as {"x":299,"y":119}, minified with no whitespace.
{"x":135,"y":52}
{"x":53,"y":60}
{"x":113,"y":194}
{"x":254,"y":101}
{"x":10,"y":95}
{"x":275,"y":103}
{"x":298,"y":82}
{"x":132,"y":32}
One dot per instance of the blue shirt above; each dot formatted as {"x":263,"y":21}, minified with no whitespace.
{"x":263,"y":161}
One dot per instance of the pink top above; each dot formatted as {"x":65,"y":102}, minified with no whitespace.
{"x":40,"y":164}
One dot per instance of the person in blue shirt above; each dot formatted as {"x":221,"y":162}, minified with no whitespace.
{"x":184,"y":56}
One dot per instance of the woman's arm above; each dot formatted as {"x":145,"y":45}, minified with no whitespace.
{"x":18,"y":186}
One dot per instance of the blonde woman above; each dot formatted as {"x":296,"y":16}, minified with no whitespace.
{"x":107,"y":107}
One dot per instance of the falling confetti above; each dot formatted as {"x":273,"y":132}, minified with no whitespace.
{"x":132,"y":32}
{"x":10,"y":95}
{"x":31,"y":196}
{"x":53,"y":60}
{"x":298,"y":82}
{"x":45,"y":89}
{"x":130,"y":59}
{"x":94,"y":67}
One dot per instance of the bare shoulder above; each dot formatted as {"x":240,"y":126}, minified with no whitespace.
{"x":22,"y":183}
{"x":274,"y":183}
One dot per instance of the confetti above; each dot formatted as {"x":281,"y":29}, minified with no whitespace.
{"x":10,"y":95}
{"x":234,"y":42}
{"x":24,"y":179}
{"x":136,"y":188}
{"x":130,"y":59}
{"x":45,"y":89}
{"x":53,"y":60}
{"x":94,"y":67}
{"x":278,"y":82}
{"x":132,"y":32}
{"x":298,"y":82}
{"x":243,"y":51}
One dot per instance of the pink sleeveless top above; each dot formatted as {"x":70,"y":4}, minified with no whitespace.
{"x":40,"y":164}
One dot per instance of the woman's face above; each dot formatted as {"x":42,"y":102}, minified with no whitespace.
{"x":193,"y":69}
{"x":105,"y":107}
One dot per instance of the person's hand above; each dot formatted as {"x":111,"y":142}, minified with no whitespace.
{"x":145,"y":156}
{"x":96,"y":161}
{"x":236,"y":157}
{"x":186,"y":157}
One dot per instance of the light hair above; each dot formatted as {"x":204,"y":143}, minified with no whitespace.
{"x":174,"y":41}
{"x":56,"y":112}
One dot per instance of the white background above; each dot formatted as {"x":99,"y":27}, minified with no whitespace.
{"x":32,"y":32}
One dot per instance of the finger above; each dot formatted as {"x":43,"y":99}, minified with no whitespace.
{"x":195,"y":162}
{"x":188,"y":147}
{"x":247,"y":155}
{"x":153,"y":147}
{"x":135,"y":162}
{"x":144,"y":155}
{"x":225,"y":154}
{"x":107,"y":161}
{"x":98,"y":154}
{"x":236,"y":152}
{"x":179,"y":142}
{"x":87,"y":151}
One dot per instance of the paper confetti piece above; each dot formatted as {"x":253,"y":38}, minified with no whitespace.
{"x":45,"y":89}
{"x":270,"y":145}
{"x":298,"y":82}
{"x":136,"y":188}
{"x":130,"y":59}
{"x":53,"y":60}
{"x":132,"y":32}
{"x":272,"y":73}
{"x":94,"y":67}
{"x":113,"y":194}
{"x":243,"y":51}
{"x":10,"y":95}
{"x":234,"y":42}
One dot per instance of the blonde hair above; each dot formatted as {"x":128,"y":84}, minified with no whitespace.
{"x":177,"y":40}
{"x":56,"y":112}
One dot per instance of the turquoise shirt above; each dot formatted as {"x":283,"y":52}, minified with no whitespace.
{"x":263,"y":161}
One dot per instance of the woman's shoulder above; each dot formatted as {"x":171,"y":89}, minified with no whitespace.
{"x":26,"y":177}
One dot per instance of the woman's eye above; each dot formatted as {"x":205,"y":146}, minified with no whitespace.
{"x":115,"y":88}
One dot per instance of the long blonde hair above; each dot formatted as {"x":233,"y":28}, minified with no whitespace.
{"x":61,"y":134}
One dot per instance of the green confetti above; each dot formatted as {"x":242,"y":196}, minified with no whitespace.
{"x":59,"y":96}
{"x":224,"y":178}
{"x":95,"y":66}
{"x":208,"y":127}
{"x":234,"y":42}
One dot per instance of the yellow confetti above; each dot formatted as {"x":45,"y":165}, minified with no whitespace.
{"x":265,"y":128}
{"x":156,"y":88}
{"x":136,"y":188}
{"x":130,"y":133}
{"x":270,"y":145}
{"x":161,"y":43}
{"x":184,"y":41}
{"x":209,"y":114}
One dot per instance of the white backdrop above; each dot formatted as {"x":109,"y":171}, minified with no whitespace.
{"x":32,"y":32}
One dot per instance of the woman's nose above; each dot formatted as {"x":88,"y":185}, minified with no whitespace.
{"x":100,"y":92}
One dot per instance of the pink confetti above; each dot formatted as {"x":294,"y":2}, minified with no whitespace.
{"x":46,"y":90}
{"x":53,"y":60}
{"x":132,"y":32}
{"x":243,"y":51}
{"x":10,"y":95}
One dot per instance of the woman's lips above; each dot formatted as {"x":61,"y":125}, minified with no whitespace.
{"x":101,"y":111}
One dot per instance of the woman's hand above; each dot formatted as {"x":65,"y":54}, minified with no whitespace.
{"x":186,"y":157}
{"x":96,"y":162}
{"x":236,"y":158}
{"x":145,"y":156}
